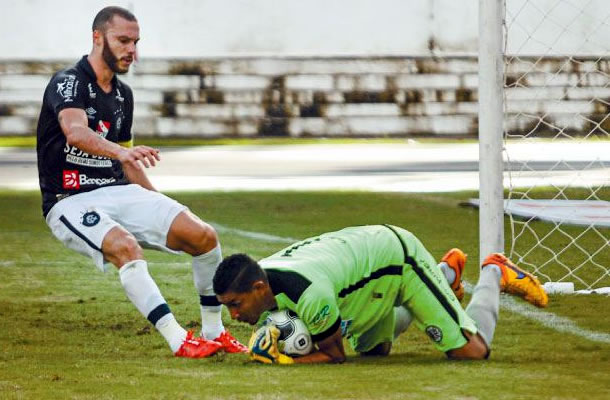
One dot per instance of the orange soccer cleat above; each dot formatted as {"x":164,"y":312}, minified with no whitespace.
{"x":456,"y":260}
{"x":517,"y":281}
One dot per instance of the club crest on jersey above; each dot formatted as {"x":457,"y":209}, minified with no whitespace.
{"x":103,"y":127}
{"x":71,"y":179}
{"x":90,"y":218}
{"x":435,"y":333}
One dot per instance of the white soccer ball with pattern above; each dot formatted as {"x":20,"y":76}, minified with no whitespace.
{"x":294,"y":335}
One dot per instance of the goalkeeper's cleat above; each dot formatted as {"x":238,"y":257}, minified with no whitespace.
{"x":230,"y":344}
{"x":456,"y":260}
{"x":517,"y":281}
{"x":197,"y":347}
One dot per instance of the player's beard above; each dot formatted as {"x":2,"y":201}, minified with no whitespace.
{"x":112,"y":60}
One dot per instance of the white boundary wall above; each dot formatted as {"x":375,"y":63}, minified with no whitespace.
{"x":60,"y":29}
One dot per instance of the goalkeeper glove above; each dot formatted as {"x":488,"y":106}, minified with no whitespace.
{"x":263,"y":346}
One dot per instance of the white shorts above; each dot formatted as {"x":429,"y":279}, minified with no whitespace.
{"x":82,"y":221}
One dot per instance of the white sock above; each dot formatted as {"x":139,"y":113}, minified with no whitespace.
{"x":403,"y":319}
{"x":204,"y":267}
{"x":145,"y":295}
{"x":171,"y":331}
{"x":449,"y":272}
{"x":485,"y":302}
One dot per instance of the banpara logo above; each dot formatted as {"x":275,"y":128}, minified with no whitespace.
{"x":71,"y":179}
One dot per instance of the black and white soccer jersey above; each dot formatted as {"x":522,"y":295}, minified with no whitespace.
{"x":64,"y":169}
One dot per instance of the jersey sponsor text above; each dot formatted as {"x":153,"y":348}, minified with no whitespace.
{"x":74,"y":155}
{"x":74,"y":179}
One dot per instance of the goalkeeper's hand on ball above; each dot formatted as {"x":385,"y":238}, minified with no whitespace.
{"x":263,"y":346}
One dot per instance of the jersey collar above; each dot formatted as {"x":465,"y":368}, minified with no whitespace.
{"x":86,"y":66}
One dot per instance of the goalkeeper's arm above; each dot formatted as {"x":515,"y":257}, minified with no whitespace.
{"x":330,"y":350}
{"x":263,"y":348}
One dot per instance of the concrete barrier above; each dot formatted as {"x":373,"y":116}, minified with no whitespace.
{"x":340,"y":96}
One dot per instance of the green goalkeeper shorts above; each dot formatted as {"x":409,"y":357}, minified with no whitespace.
{"x":429,"y":298}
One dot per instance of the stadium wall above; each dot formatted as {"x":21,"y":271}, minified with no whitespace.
{"x":330,"y":97}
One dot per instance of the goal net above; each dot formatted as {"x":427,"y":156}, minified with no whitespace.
{"x":557,"y":138}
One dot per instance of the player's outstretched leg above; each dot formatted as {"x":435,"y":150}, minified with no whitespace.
{"x":517,"y":281}
{"x":452,"y":264}
{"x":204,"y":267}
{"x":484,"y":305}
{"x":145,"y":295}
{"x":188,"y":233}
{"x":498,"y":273}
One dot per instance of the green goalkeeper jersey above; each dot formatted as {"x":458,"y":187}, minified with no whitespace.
{"x":351,"y":279}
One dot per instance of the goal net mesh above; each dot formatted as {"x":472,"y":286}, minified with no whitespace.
{"x":557,"y":136}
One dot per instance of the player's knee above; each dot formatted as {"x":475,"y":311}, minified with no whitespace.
{"x":202,"y":240}
{"x":191,"y":235}
{"x":121,"y":249}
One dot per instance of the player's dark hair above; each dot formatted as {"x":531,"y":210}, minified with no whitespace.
{"x":236,"y":273}
{"x":105,"y":16}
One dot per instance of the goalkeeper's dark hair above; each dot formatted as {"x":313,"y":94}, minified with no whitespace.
{"x":101,"y":20}
{"x":236,"y":273}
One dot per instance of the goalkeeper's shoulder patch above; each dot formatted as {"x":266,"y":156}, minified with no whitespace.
{"x":128,"y":143}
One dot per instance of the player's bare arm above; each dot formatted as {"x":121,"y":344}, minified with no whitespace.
{"x":138,"y":176}
{"x":73,"y":122}
{"x":330,"y":350}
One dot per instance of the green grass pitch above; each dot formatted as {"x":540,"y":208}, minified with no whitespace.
{"x":68,"y":331}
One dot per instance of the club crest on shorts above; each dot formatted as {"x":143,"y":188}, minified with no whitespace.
{"x":435,"y":333}
{"x":90,"y":218}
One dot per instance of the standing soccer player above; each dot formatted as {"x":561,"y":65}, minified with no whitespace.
{"x":97,"y":199}
{"x":347,"y":284}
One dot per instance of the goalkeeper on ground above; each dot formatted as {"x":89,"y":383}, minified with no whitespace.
{"x":347,"y":284}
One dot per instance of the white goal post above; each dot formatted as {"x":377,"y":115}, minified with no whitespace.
{"x":544,"y":136}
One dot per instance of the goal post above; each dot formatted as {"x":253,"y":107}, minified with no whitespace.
{"x":491,"y":109}
{"x":544,"y":136}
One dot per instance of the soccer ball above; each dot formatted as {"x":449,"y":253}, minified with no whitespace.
{"x":293,"y":333}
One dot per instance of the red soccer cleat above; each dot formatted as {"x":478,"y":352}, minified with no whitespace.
{"x":230,"y":344}
{"x":197,"y":347}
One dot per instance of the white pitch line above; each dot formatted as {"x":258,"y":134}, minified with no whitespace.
{"x":253,"y":235}
{"x":550,"y":320}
